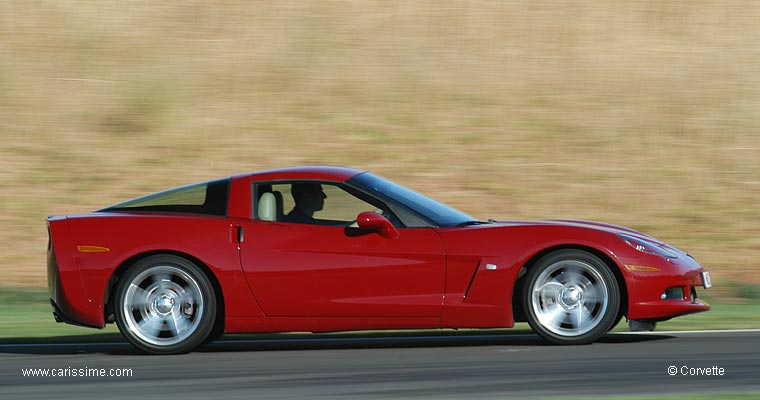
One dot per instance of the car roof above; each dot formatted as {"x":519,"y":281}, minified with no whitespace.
{"x":315,"y":172}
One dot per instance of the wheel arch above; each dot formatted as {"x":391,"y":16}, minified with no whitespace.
{"x":517,"y":306}
{"x":108,"y":298}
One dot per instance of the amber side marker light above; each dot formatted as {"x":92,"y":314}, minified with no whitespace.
{"x":92,"y":249}
{"x":641,"y":268}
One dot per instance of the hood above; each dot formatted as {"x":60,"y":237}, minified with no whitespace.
{"x":600,"y":226}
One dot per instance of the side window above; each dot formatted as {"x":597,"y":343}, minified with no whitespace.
{"x":308,"y":203}
{"x":209,"y":198}
{"x":341,"y":206}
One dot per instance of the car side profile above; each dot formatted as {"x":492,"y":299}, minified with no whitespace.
{"x":331,"y":248}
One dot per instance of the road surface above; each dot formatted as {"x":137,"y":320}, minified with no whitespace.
{"x":482,"y":366}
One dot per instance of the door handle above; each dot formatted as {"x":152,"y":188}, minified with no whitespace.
{"x":240,"y":234}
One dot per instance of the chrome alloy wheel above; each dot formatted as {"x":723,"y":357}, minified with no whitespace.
{"x":569,"y":298}
{"x":163,"y":305}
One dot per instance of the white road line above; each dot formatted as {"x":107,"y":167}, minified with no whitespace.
{"x":3,"y":346}
{"x":703,"y":331}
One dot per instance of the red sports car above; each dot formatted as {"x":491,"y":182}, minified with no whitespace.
{"x":331,"y":249}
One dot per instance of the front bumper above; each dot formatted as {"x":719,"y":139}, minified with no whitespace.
{"x":651,"y":294}
{"x":666,"y":309}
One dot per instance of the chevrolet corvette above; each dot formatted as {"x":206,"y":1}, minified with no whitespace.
{"x":333,"y":249}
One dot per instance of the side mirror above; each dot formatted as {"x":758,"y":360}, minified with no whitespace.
{"x":377,"y":223}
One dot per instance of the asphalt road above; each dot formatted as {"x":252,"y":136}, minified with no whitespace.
{"x":436,"y":367}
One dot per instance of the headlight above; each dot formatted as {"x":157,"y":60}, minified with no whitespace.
{"x":646,"y":247}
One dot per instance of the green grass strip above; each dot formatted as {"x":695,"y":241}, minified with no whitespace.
{"x":26,"y":313}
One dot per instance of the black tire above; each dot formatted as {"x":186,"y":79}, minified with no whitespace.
{"x":165,"y":304}
{"x":571,"y":297}
{"x":216,"y":332}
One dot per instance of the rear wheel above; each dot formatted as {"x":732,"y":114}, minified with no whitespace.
{"x":165,"y":305}
{"x":571,"y":297}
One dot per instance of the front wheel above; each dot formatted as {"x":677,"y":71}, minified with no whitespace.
{"x":571,"y":297}
{"x":165,"y":305}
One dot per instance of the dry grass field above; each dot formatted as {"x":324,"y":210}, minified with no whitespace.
{"x":641,"y":113}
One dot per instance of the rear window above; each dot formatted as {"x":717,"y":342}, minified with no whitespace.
{"x":208,"y":198}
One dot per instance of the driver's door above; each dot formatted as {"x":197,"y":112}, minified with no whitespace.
{"x":329,"y":268}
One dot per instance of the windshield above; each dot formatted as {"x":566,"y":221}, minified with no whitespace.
{"x":440,"y":214}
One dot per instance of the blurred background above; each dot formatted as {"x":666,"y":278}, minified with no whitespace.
{"x":640,"y":113}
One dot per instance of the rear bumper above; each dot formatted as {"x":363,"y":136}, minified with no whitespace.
{"x":60,"y":316}
{"x":67,"y":293}
{"x":73,"y":309}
